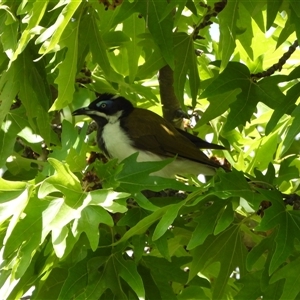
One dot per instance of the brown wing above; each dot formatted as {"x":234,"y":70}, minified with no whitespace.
{"x":151,"y":132}
{"x":199,"y":143}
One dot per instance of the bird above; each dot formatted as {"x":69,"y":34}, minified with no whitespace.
{"x":124,"y":129}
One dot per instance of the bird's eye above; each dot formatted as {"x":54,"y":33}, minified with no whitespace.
{"x":103,"y":105}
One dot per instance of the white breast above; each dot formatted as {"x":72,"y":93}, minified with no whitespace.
{"x":119,"y":146}
{"x":116,"y":141}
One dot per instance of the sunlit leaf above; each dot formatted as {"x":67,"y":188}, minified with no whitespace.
{"x":54,"y":32}
{"x":29,"y":229}
{"x":13,"y":194}
{"x":136,"y":26}
{"x":65,"y":182}
{"x":237,"y":76}
{"x":228,"y":18}
{"x":89,"y":221}
{"x":33,"y":19}
{"x":68,"y":68}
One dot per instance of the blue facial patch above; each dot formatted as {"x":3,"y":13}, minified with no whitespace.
{"x":104,"y":104}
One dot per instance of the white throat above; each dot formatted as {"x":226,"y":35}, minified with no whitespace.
{"x":114,"y":118}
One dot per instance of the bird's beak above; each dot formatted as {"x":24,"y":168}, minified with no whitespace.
{"x":81,"y":111}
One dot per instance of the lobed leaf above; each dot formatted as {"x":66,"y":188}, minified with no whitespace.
{"x":287,"y":224}
{"x":227,"y":249}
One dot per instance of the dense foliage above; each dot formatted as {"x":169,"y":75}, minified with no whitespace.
{"x":75,"y":226}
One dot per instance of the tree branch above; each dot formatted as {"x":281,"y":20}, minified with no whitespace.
{"x":171,"y":105}
{"x":211,"y":12}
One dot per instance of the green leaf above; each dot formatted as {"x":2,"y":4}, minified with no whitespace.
{"x":21,"y":126}
{"x":256,"y":11}
{"x":115,"y":38}
{"x":287,"y":171}
{"x":98,"y":49}
{"x":272,"y":10}
{"x":163,"y":247}
{"x":143,"y":202}
{"x":206,"y":224}
{"x":127,"y":9}
{"x":234,"y":184}
{"x":287,"y":224}
{"x":13,"y":194}
{"x":7,"y":140}
{"x":73,"y":148}
{"x":145,"y":223}
{"x":161,"y":30}
{"x":9,"y":36}
{"x":53,"y":283}
{"x":227,"y":249}
{"x":237,"y":76}
{"x":54,"y":34}
{"x":286,"y":31}
{"x":24,"y":283}
{"x":228,"y":18}
{"x":107,"y":200}
{"x":218,"y":105}
{"x":151,"y":288}
{"x":68,"y":68}
{"x":139,"y":242}
{"x":76,"y":281}
{"x":43,"y":123}
{"x":9,"y":87}
{"x":132,"y":217}
{"x":172,"y":272}
{"x":26,"y":235}
{"x":59,"y":214}
{"x":133,"y":27}
{"x":190,"y":292}
{"x":265,"y":149}
{"x":128,"y":272}
{"x":293,"y":130}
{"x":151,"y":65}
{"x":89,"y":221}
{"x":251,"y":285}
{"x":286,"y":107}
{"x":290,"y":273}
{"x":256,"y":252}
{"x":134,"y":176}
{"x":245,"y":21}
{"x":59,"y":240}
{"x":103,"y":274}
{"x":19,"y":165}
{"x":65,"y":182}
{"x":33,"y":18}
{"x":225,"y":219}
{"x":185,"y":64}
{"x":295,"y":20}
{"x":167,"y":220}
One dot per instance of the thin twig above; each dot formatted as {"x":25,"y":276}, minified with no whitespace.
{"x":278,"y":66}
{"x":211,"y":12}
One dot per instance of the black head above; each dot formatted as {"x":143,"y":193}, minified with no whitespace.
{"x":106,"y":108}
